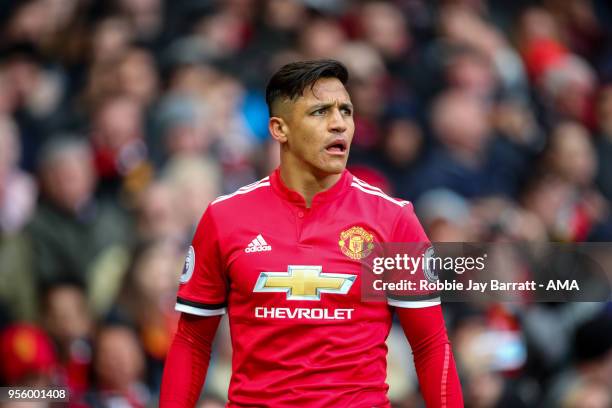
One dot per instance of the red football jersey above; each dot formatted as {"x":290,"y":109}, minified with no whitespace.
{"x":289,"y":277}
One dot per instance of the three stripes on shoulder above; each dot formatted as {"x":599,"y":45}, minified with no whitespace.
{"x":370,"y":189}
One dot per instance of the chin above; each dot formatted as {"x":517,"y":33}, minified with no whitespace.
{"x":332,"y":168}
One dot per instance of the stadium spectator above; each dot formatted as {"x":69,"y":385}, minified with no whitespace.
{"x":66,"y":316}
{"x":71,"y":228}
{"x":18,"y":189}
{"x":119,"y":149}
{"x":589,"y":375}
{"x":571,"y":157}
{"x":118,"y":369}
{"x":147,"y":301}
{"x":460,"y":162}
{"x":155,"y":215}
{"x":27,"y":357}
{"x":194,"y":181}
{"x":603,"y":142}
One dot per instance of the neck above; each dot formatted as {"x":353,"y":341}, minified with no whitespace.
{"x":306,"y":182}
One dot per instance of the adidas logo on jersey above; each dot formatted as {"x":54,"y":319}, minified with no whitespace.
{"x":258,"y":245}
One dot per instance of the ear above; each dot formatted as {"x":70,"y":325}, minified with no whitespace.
{"x":278,"y":129}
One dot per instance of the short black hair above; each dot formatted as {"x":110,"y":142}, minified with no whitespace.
{"x":291,"y":79}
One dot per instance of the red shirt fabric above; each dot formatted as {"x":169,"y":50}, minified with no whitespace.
{"x":289,"y":278}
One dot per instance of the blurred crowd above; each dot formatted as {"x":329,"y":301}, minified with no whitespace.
{"x":121,"y":120}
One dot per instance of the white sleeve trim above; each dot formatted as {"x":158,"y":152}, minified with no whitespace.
{"x":199,"y":312}
{"x":414,"y":304}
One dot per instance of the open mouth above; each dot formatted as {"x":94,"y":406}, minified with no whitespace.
{"x":338,"y":146}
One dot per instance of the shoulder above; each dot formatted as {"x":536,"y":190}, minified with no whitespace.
{"x":374,"y":196}
{"x":396,"y":215}
{"x":244,"y":194}
{"x":228,"y":206}
{"x":229,"y":215}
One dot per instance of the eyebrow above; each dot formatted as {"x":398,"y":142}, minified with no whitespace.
{"x":328,"y":105}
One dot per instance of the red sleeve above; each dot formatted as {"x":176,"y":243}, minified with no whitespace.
{"x":433,"y":357}
{"x":187,"y":361}
{"x":203,"y":283}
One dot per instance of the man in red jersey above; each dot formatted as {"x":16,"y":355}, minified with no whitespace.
{"x":282,"y":257}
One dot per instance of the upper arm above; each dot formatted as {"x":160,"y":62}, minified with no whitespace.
{"x":203,"y":284}
{"x":408,"y":231}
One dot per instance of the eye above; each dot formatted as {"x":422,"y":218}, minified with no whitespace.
{"x":319,"y":112}
{"x":347,"y":111}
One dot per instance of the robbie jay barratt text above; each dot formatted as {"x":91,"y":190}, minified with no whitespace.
{"x":494,"y":285}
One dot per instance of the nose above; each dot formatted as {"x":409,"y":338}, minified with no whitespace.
{"x":337,"y":122}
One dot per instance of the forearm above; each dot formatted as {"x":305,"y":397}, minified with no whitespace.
{"x":187,"y":361}
{"x":433,"y":357}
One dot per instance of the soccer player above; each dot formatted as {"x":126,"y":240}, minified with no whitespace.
{"x":282,"y":257}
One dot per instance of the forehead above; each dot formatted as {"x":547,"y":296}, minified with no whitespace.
{"x":324,"y":90}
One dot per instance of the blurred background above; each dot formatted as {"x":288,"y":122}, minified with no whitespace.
{"x":120,"y":120}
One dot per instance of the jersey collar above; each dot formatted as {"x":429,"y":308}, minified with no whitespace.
{"x":335,"y":191}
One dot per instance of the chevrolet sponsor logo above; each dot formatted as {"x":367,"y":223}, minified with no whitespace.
{"x":304,"y":282}
{"x":303,"y":313}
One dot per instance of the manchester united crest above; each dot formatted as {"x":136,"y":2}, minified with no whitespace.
{"x":356,"y":242}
